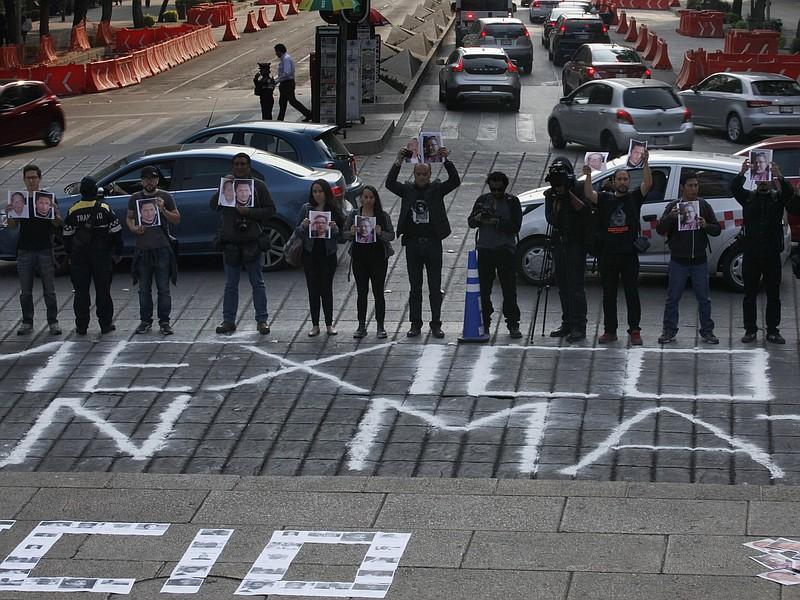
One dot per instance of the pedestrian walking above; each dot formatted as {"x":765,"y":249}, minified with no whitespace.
{"x":150,"y":213}
{"x":93,"y":239}
{"x":370,"y":256}
{"x":286,"y":84}
{"x":570,"y":220}
{"x":264,"y":88}
{"x":35,"y":254}
{"x":423,"y":224}
{"x":242,"y":241}
{"x":618,"y":229}
{"x":319,"y":252}
{"x":688,"y":240}
{"x":762,"y":212}
{"x":498,"y":217}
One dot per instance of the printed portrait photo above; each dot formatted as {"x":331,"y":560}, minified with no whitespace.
{"x":431,"y":142}
{"x":147,"y":212}
{"x":365,"y":229}
{"x":636,"y":151}
{"x":596,"y":161}
{"x":413,"y":146}
{"x":17,"y":205}
{"x":773,"y":561}
{"x":77,"y":583}
{"x":43,"y":205}
{"x":184,"y":582}
{"x":760,"y":167}
{"x":784,"y":577}
{"x":243,"y":189}
{"x":227,"y":196}
{"x":688,"y":215}
{"x":319,"y":224}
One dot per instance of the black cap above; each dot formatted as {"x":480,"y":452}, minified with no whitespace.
{"x":263,"y":65}
{"x":89,"y":188}
{"x":150,"y":171}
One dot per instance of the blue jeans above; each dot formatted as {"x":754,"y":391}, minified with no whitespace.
{"x":154,"y":263}
{"x":230,"y":302}
{"x":27,"y":261}
{"x":678,"y":274}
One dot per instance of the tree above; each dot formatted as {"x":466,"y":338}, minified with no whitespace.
{"x":44,"y":19}
{"x":13,"y":34}
{"x":163,"y":9}
{"x":137,"y":14}
{"x":757,"y":11}
{"x":79,"y":15}
{"x":737,"y":7}
{"x":108,"y":7}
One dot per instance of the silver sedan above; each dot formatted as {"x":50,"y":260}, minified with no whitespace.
{"x":742,"y":103}
{"x":479,"y":75}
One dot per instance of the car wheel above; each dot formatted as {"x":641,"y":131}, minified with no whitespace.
{"x":53,"y":134}
{"x":60,"y":256}
{"x":558,"y":60}
{"x":734,"y":129}
{"x":514,"y":106}
{"x":450,"y":100}
{"x":731,"y":267}
{"x":278,"y":234}
{"x":441,"y":94}
{"x":556,"y":135}
{"x":535,"y":261}
{"x":609,"y":144}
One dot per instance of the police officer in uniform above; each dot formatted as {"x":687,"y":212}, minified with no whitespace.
{"x":93,"y":239}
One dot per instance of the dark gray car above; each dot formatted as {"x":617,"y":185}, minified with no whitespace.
{"x":509,"y":34}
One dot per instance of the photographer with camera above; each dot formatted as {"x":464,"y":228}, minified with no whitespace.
{"x":243,"y":242}
{"x":264,"y":88}
{"x":498,"y":218}
{"x":423,"y":224}
{"x":618,"y":231}
{"x":569,"y":217}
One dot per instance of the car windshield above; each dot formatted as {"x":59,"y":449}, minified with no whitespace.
{"x":661,"y":98}
{"x":610,"y":55}
{"x":776,"y":87}
{"x":284,"y":165}
{"x":574,"y":25}
{"x":485,"y":65}
{"x":483,"y":5}
{"x":505,"y":30}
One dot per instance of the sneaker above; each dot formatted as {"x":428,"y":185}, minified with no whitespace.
{"x":514,"y":333}
{"x":331,"y":330}
{"x":54,"y":328}
{"x":666,"y":337}
{"x":562,"y":331}
{"x":109,"y":329}
{"x":381,"y":332}
{"x":314,"y":332}
{"x":710,"y":338}
{"x":360,"y":332}
{"x":226,"y":327}
{"x":263,"y":328}
{"x":437,"y":332}
{"x":749,"y":337}
{"x":413,"y":332}
{"x":775,"y":338}
{"x":576,"y":336}
{"x":165,"y":328}
{"x":607,"y":338}
{"x":25,"y":329}
{"x":143,"y":327}
{"x":636,"y":338}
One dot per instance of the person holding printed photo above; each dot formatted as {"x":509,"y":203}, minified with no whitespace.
{"x":370,"y":258}
{"x":636,"y":154}
{"x":595,"y":160}
{"x":759,"y":166}
{"x":320,"y":227}
{"x":17,"y":205}
{"x":243,"y":189}
{"x":431,"y":143}
{"x":319,"y":254}
{"x":43,"y":203}
{"x":413,"y":155}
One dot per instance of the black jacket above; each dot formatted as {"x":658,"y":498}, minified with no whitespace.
{"x":569,"y":225}
{"x":229,"y":218}
{"x":688,"y":244}
{"x":433,"y":194}
{"x":763,"y":215}
{"x":503,"y":232}
{"x":91,"y":225}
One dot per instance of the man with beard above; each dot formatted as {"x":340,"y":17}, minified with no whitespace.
{"x":618,"y":224}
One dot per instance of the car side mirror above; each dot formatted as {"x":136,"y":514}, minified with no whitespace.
{"x":565,"y":100}
{"x":441,"y":61}
{"x":695,"y":90}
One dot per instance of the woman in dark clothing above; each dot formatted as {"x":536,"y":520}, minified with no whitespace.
{"x":319,"y":254}
{"x":370,"y":258}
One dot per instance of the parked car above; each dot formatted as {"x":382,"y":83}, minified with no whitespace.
{"x":191,"y":173}
{"x":609,"y":113}
{"x":315,"y":146}
{"x":602,"y":61}
{"x":715,"y":172}
{"x":550,"y":21}
{"x":540,"y":9}
{"x":509,"y":34}
{"x":571,"y":32}
{"x":786,"y":153}
{"x":29,"y":111}
{"x":741,"y":104}
{"x":479,"y":75}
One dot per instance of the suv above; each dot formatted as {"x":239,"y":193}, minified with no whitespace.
{"x":552,"y":19}
{"x":570,"y":33}
{"x":540,"y":9}
{"x":510,"y":35}
{"x":29,"y":111}
{"x":715,"y":173}
{"x":478,"y":75}
{"x":469,"y":11}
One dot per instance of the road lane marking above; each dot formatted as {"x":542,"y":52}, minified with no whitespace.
{"x":487,"y":128}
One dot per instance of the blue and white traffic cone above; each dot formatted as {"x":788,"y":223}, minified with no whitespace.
{"x":473,"y":331}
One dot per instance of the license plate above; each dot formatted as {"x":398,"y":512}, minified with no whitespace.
{"x":660,"y":140}
{"x":582,"y":36}
{"x":786,"y":109}
{"x":486,"y":88}
{"x":618,"y":75}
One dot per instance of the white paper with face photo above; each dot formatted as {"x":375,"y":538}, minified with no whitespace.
{"x":319,"y":224}
{"x":782,"y":576}
{"x":114,"y":586}
{"x":17,"y":207}
{"x":429,"y":143}
{"x":762,"y":544}
{"x":414,"y":155}
{"x":76,"y":584}
{"x":43,"y":205}
{"x":227,"y":196}
{"x":773,"y":561}
{"x":760,"y":168}
{"x":243,"y":191}
{"x":189,"y":574}
{"x":689,"y":215}
{"x":147,"y":213}
{"x":365,"y":229}
{"x":596,"y":161}
{"x":636,"y":150}
{"x":42,"y":584}
{"x":182,"y":585}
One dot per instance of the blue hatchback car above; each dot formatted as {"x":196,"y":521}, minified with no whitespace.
{"x":192,"y":174}
{"x":315,"y":146}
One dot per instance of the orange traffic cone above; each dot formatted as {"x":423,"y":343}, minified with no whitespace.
{"x":251,"y":26}
{"x":263,"y":21}
{"x":278,"y":16}
{"x":231,"y":33}
{"x":292,"y":8}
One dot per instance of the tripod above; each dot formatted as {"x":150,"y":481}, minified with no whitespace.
{"x":543,"y":284}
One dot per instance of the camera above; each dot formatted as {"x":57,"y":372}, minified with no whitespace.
{"x":560,"y":173}
{"x":241,"y":225}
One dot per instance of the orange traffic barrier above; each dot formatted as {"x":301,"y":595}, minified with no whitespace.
{"x":263,"y":20}
{"x":646,"y":4}
{"x":278,"y":16}
{"x":759,"y":41}
{"x":125,"y":71}
{"x":105,"y":34}
{"x":9,"y":57}
{"x":662,"y":57}
{"x":632,"y":31}
{"x":101,"y":76}
{"x":292,"y":8}
{"x":693,"y":69}
{"x":614,"y":15}
{"x":141,"y":67}
{"x":231,"y":33}
{"x":784,"y":64}
{"x":134,"y":39}
{"x":62,"y":80}
{"x":651,"y":47}
{"x":47,"y":52}
{"x":622,"y":28}
{"x":641,"y":39}
{"x":675,"y":4}
{"x":701,"y":23}
{"x":78,"y":39}
{"x":252,"y":26}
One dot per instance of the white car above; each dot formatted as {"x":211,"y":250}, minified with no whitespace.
{"x":715,"y":172}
